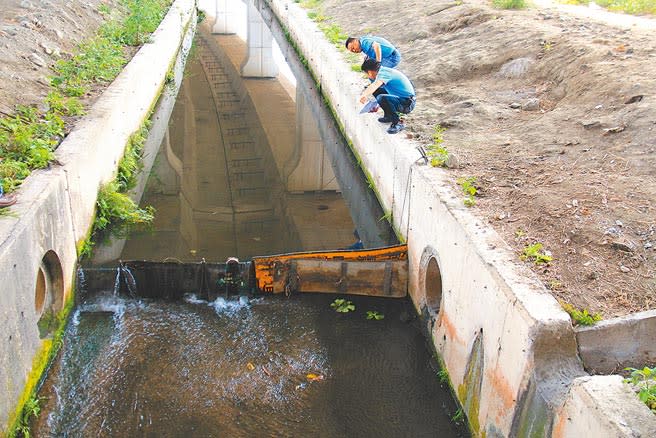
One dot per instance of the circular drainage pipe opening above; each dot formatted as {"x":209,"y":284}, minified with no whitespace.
{"x":48,"y":293}
{"x":433,"y":285}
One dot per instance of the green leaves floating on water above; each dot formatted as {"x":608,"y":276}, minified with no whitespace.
{"x":372,"y":314}
{"x":342,"y":306}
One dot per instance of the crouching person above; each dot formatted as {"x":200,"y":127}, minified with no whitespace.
{"x":393,"y":91}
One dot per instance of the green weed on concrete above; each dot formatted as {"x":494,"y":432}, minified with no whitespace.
{"x":131,"y":162}
{"x":116,"y":214}
{"x":28,"y":406}
{"x":580,"y":316}
{"x":644,"y":383}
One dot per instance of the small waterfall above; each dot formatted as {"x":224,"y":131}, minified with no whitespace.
{"x":124,"y":276}
{"x":129,"y":279}
{"x":117,"y":282}
{"x":81,"y":280}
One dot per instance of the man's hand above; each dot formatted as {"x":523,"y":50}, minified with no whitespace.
{"x":363,"y":98}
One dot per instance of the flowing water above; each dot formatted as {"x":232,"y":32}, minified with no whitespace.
{"x":268,"y":366}
{"x":272,"y":367}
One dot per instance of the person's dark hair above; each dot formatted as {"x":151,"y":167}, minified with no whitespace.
{"x":348,"y":40}
{"x":370,"y":64}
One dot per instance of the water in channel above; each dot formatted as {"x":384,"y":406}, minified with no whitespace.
{"x":224,"y":185}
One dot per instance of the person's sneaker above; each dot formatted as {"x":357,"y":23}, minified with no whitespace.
{"x":395,"y":127}
{"x":385,"y":120}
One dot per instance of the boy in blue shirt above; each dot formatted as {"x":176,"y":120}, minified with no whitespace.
{"x":393,"y":91}
{"x":376,"y":48}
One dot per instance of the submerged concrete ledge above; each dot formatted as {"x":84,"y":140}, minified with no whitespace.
{"x":56,"y":206}
{"x":507,"y":345}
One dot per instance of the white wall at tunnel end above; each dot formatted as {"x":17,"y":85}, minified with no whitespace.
{"x":492,"y":307}
{"x":55,"y":206}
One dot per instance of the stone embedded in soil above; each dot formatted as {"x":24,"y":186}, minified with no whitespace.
{"x":531,"y":105}
{"x":515,"y":68}
{"x":38,"y":60}
{"x":623,"y":245}
{"x":590,"y":124}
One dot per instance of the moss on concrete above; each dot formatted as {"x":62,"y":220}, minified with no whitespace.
{"x":40,"y":363}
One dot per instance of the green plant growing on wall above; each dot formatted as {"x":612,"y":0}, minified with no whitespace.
{"x":443,"y":375}
{"x":535,"y":254}
{"x":386,"y":217}
{"x":372,"y":314}
{"x":31,"y":409}
{"x":200,"y":16}
{"x":458,"y":417}
{"x":131,"y":164}
{"x":644,"y":382}
{"x":580,"y":317}
{"x":468,"y":186}
{"x":48,"y":323}
{"x":436,"y":152}
{"x":115,"y":208}
{"x":342,"y":306}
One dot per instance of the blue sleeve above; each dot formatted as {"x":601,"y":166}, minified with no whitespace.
{"x":366,"y":46}
{"x":383,"y":75}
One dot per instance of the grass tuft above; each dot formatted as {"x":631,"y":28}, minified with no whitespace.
{"x":509,"y":4}
{"x":580,"y":317}
{"x":633,"y":7}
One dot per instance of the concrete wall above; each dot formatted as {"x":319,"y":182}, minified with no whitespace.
{"x":614,"y":344}
{"x":615,"y":413}
{"x":56,"y":206}
{"x":509,"y":348}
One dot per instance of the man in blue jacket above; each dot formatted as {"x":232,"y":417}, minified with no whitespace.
{"x":393,"y":91}
{"x":376,"y":48}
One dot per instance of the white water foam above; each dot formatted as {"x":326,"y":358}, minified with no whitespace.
{"x":223,"y":306}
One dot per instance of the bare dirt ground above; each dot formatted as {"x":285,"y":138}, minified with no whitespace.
{"x":34,"y":34}
{"x":555,"y":116}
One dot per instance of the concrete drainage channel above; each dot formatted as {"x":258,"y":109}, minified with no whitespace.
{"x":509,"y":349}
{"x":56,"y":207}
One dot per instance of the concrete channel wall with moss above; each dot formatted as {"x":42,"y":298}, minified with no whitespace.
{"x":40,"y":239}
{"x":508,"y":347}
